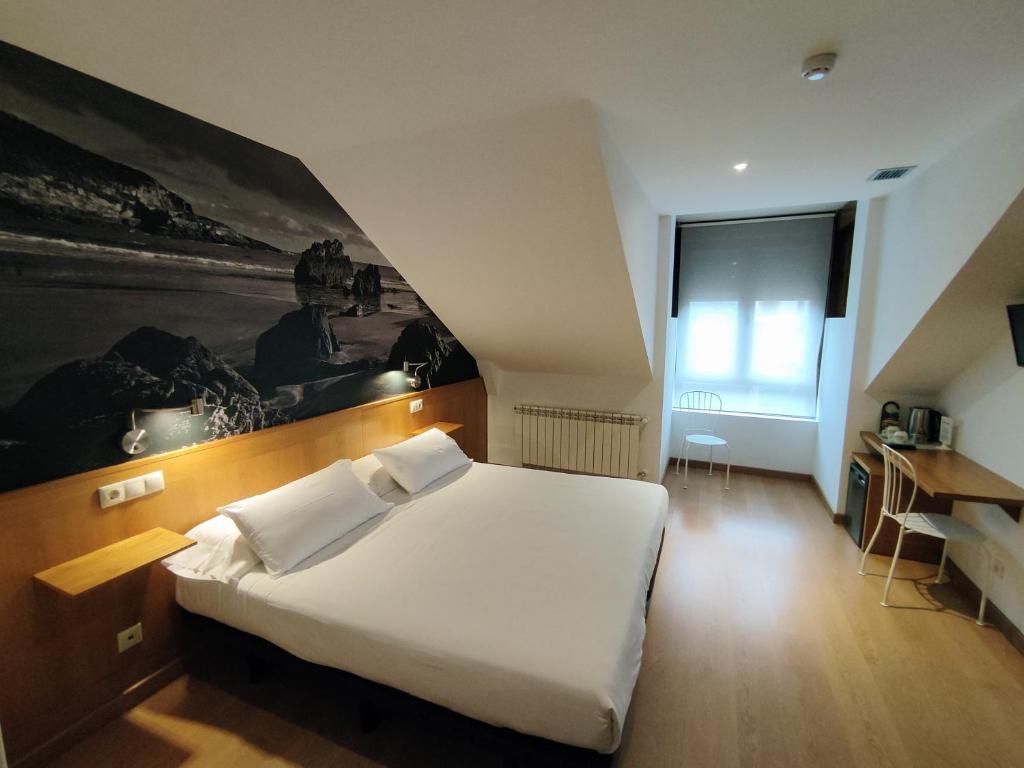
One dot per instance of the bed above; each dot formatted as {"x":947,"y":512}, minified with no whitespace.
{"x":513,"y":596}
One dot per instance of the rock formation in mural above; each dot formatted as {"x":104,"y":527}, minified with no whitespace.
{"x":325,"y":264}
{"x":148,"y":258}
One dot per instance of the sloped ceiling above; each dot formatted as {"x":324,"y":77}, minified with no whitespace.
{"x":960,"y":326}
{"x":686,"y":87}
{"x":426,"y":95}
{"x":508,"y":228}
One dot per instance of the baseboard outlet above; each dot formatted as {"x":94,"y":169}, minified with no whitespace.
{"x":49,"y":750}
{"x":993,"y":615}
{"x":700,"y":464}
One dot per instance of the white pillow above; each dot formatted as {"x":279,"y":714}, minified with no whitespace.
{"x":220,"y":553}
{"x":288,"y":524}
{"x":417,"y":462}
{"x":372,"y":472}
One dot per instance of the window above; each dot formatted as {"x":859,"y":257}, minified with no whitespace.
{"x":751,"y":312}
{"x":711,"y":339}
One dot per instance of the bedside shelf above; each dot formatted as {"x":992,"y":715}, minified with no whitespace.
{"x":78,"y":576}
{"x":445,"y":426}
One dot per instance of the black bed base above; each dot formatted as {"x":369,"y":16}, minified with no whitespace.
{"x":361,"y":714}
{"x":369,"y":715}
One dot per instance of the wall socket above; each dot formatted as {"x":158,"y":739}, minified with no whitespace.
{"x":998,"y":568}
{"x":126,"y":638}
{"x":132,"y":488}
{"x":415,"y":406}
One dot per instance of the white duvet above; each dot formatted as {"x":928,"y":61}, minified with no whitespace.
{"x":513,"y":596}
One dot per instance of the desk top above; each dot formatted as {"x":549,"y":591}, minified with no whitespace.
{"x":951,"y":475}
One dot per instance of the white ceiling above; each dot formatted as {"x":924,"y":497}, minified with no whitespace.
{"x":685,"y":89}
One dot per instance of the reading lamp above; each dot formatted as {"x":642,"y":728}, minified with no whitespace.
{"x":414,"y":380}
{"x":136,"y":440}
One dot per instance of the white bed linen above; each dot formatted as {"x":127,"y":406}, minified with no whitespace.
{"x":513,"y":596}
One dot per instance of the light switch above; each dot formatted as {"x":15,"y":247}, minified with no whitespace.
{"x":134,"y":488}
{"x":415,"y":406}
{"x":154,"y":481}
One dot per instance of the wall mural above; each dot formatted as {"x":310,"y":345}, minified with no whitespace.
{"x":149,"y":259}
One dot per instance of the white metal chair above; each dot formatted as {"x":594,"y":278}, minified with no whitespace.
{"x":704,"y":409}
{"x":898,"y":492}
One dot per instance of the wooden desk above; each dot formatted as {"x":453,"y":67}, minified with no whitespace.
{"x":951,"y":475}
{"x":922,"y":548}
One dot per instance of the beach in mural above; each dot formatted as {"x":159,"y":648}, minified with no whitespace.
{"x":147,"y":258}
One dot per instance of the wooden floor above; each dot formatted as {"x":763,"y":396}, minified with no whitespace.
{"x":764,"y":648}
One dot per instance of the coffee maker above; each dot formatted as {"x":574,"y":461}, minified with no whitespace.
{"x":923,"y":425}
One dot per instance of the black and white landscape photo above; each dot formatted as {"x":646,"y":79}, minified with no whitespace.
{"x":148,"y":258}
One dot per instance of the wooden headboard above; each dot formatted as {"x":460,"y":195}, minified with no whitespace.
{"x":60,"y":665}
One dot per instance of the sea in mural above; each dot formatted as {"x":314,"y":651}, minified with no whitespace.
{"x":148,"y":258}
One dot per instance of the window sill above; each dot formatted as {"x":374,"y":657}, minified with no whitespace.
{"x":811,"y":420}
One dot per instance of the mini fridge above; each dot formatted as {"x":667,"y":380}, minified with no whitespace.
{"x":856,"y":500}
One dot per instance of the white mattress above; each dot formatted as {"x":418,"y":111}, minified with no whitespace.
{"x":513,"y":596}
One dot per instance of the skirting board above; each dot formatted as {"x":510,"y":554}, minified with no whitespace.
{"x":993,"y":615}
{"x":837,"y":519}
{"x":699,"y":464}
{"x":46,"y":752}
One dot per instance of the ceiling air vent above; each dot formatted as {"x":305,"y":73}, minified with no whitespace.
{"x":888,"y":174}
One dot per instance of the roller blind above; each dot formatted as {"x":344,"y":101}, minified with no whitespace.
{"x":751,"y":313}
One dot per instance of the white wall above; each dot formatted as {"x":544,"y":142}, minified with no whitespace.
{"x":633,"y":212}
{"x":932,"y":225}
{"x":836,"y":377}
{"x":604,"y":393}
{"x":986,"y":403}
{"x":644,"y":396}
{"x":765,"y":442}
{"x":844,"y":406}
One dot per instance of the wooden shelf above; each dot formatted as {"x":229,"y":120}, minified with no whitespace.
{"x":77,"y":576}
{"x":445,"y":426}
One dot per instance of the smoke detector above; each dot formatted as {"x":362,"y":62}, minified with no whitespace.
{"x":818,"y":66}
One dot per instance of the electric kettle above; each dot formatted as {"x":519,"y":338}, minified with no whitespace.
{"x":923,"y":425}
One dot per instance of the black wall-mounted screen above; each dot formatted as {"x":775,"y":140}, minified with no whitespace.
{"x":1016,"y":313}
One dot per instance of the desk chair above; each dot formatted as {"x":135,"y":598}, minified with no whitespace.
{"x":703,"y":409}
{"x":897,"y":502}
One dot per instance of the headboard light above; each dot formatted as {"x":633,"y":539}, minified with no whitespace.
{"x":136,"y":439}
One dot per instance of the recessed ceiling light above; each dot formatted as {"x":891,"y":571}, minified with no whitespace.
{"x":818,"y":67}
{"x":740,"y":167}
